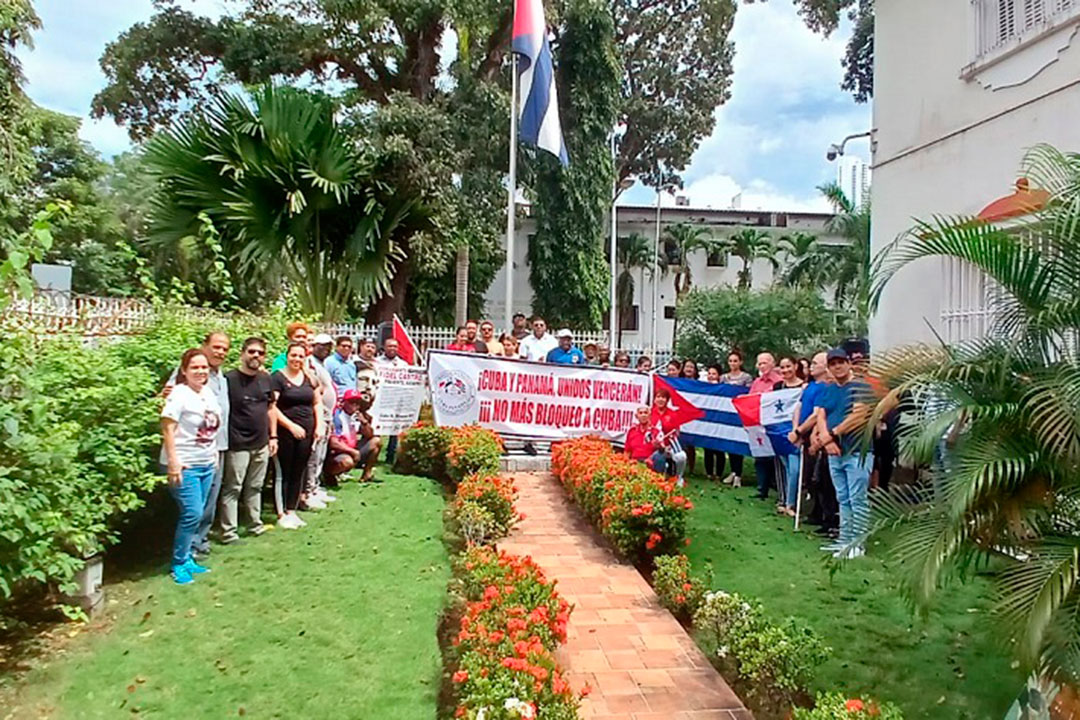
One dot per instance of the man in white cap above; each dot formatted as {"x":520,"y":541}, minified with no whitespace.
{"x":566,"y":353}
{"x":537,"y":345}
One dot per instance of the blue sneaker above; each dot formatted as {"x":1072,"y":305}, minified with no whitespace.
{"x":194,"y":568}
{"x":181,"y":576}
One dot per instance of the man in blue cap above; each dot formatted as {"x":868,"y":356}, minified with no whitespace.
{"x":842,"y":411}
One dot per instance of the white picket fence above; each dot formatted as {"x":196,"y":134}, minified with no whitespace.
{"x":51,"y":312}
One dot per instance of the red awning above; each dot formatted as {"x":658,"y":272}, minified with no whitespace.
{"x":1022,"y":202}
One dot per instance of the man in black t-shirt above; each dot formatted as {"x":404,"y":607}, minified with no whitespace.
{"x":252,"y":442}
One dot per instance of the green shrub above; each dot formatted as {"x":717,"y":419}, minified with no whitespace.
{"x":79,"y":439}
{"x":473,"y":450}
{"x":678,"y":590}
{"x":422,"y":451}
{"x":780,"y":320}
{"x":837,"y":706}
{"x":777,"y":659}
{"x":496,"y":495}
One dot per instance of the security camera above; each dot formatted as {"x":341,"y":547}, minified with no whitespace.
{"x":833,"y":152}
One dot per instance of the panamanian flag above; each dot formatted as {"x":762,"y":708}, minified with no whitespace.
{"x":767,"y":418}
{"x":723,"y":425}
{"x":539,"y":99}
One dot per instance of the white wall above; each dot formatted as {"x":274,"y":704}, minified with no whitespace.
{"x":642,"y":220}
{"x":950,"y":145}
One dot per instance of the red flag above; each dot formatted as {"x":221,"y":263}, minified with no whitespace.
{"x":680,"y":410}
{"x":406,"y":349}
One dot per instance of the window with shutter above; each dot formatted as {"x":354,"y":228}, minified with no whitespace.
{"x":1006,"y":24}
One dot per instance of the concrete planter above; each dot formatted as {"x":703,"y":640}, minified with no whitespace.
{"x":89,"y":594}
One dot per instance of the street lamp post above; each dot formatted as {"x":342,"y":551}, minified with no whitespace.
{"x":656,"y":270}
{"x":613,"y":315}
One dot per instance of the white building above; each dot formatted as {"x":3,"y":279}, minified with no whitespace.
{"x":853,"y":177}
{"x":962,"y":89}
{"x":706,"y":271}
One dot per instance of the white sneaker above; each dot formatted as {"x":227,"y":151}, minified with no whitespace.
{"x":288,"y":522}
{"x":296,"y":519}
{"x":326,"y":497}
{"x":313,"y":503}
{"x":729,"y":479}
{"x":850,"y":553}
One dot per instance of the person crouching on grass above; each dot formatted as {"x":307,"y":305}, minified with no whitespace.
{"x":640,"y":444}
{"x":667,"y":438}
{"x":189,"y":424}
{"x":353,"y":442}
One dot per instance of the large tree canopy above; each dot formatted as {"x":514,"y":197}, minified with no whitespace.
{"x":441,"y":118}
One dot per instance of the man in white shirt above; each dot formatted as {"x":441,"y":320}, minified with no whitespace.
{"x":537,"y":345}
{"x":390,"y":359}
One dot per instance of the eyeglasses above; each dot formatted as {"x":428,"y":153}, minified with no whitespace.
{"x":252,"y":351}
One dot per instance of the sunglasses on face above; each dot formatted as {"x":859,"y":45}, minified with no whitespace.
{"x":258,"y":353}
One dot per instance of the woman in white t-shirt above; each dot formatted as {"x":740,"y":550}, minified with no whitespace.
{"x":189,"y":424}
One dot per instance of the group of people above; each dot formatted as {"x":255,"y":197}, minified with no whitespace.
{"x":827,"y":425}
{"x":221,"y":429}
{"x":530,"y":340}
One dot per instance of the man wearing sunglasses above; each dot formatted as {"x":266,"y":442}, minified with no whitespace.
{"x":252,"y":442}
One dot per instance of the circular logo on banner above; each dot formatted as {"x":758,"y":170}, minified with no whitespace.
{"x":454,"y":392}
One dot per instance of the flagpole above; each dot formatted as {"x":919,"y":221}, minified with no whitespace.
{"x":798,"y":499}
{"x":511,"y":193}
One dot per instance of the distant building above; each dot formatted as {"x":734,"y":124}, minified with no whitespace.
{"x":961,"y":90}
{"x":707,"y":270}
{"x":853,"y":177}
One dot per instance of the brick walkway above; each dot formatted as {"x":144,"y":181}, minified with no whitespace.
{"x":637,"y":658}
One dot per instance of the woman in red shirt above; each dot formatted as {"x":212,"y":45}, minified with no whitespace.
{"x":461,"y":341}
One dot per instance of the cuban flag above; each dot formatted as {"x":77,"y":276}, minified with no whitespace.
{"x":767,"y":418}
{"x":536,"y":73}
{"x":406,"y":348}
{"x":727,"y":408}
{"x":720,"y":428}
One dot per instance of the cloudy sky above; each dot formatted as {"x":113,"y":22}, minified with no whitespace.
{"x":769,"y":142}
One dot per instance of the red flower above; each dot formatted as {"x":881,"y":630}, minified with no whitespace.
{"x":854,"y":705}
{"x":461,"y":676}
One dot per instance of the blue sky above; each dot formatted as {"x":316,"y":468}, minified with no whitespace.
{"x":769,"y":142}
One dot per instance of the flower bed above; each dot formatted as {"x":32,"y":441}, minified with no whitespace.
{"x":512,"y":621}
{"x":484,"y":508}
{"x":776,"y":660}
{"x":837,"y":706}
{"x":473,"y":450}
{"x":678,"y":590}
{"x":638,"y":510}
{"x":448,"y":454}
{"x":422,"y":451}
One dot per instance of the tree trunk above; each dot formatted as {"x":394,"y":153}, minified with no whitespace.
{"x":461,"y":286}
{"x":393,"y":303}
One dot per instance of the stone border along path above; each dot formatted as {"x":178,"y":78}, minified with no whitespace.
{"x":639,"y":661}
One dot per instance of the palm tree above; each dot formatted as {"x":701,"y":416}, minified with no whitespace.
{"x":749,"y":245}
{"x":633,"y":252}
{"x":684,"y":240}
{"x":287,"y":192}
{"x":850,"y":274}
{"x":1006,"y":481}
{"x":809,"y":263}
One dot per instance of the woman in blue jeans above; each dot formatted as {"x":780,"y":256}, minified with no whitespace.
{"x":189,"y":424}
{"x":791,"y":377}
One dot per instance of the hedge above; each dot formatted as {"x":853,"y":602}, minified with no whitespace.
{"x":79,"y":440}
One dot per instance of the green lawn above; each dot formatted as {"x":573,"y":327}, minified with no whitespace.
{"x":336,"y":620}
{"x":946,"y":666}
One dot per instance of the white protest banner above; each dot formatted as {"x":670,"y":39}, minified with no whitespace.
{"x":397,"y":402}
{"x":534,"y":400}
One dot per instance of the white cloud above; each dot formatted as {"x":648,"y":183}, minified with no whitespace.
{"x":786,"y":108}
